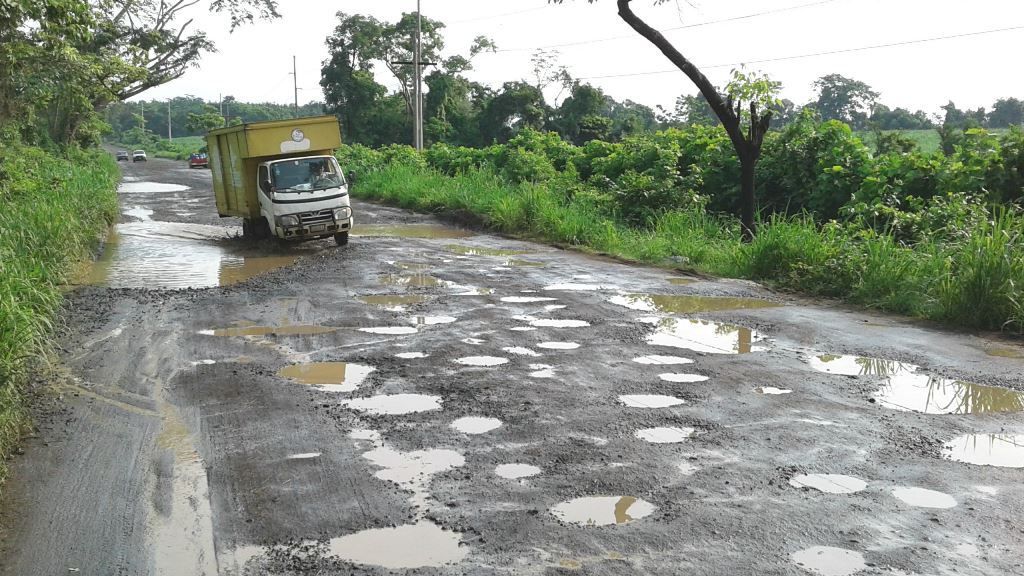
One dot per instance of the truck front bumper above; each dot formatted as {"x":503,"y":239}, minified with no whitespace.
{"x":307,"y":231}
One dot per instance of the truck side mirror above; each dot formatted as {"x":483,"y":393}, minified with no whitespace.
{"x":265,"y":186}
{"x":351,"y":176}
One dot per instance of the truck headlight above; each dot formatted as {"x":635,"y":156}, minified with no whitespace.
{"x":288,"y":221}
{"x":342,"y":214}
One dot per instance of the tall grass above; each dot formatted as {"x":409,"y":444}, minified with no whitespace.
{"x":54,"y":212}
{"x":973,"y":282}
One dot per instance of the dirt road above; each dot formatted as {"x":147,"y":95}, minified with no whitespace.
{"x":461,"y":403}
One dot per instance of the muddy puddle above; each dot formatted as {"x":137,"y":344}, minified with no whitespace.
{"x":287,"y":330}
{"x":829,"y":561}
{"x":421,"y":545}
{"x":553,"y":323}
{"x":410,"y":280}
{"x":603,"y":510}
{"x":411,"y":470}
{"x":526,"y":299}
{"x":520,"y":263}
{"x":1001,"y":450}
{"x":703,"y":336}
{"x":151,"y":254}
{"x":1005,"y":353}
{"x":411,"y":355}
{"x":829,"y":483}
{"x":394,"y":302}
{"x":846,"y":365}
{"x":680,"y":281}
{"x":650,"y":401}
{"x":394,"y":404}
{"x":427,"y":231}
{"x":328,"y":376}
{"x":664,"y":435}
{"x":924,"y":498}
{"x":933,"y":395}
{"x":433,"y":320}
{"x":672,"y":304}
{"x":772,"y":391}
{"x":476,"y":424}
{"x":576,"y":287}
{"x":516,"y":471}
{"x":520,"y":351}
{"x":559,"y":345}
{"x":542,"y":371}
{"x":476,"y":251}
{"x":140,"y":187}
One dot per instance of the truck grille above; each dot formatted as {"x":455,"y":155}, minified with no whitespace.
{"x":319,"y":217}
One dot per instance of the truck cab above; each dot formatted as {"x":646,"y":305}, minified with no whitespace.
{"x":307,"y":197}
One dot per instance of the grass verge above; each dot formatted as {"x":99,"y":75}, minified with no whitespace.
{"x":969,"y":282}
{"x":54,"y":212}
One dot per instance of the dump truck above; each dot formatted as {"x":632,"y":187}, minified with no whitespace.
{"x":281,"y":178}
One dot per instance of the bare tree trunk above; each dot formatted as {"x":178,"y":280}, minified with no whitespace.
{"x":747,"y":165}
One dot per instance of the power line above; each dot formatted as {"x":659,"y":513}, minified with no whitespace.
{"x":815,"y":54}
{"x":683,"y":27}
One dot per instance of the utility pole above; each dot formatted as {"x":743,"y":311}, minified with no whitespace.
{"x":418,"y":75}
{"x":169,"y":136}
{"x":221,"y":98}
{"x":295,"y":84}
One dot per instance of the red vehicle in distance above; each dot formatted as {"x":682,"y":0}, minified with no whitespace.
{"x":198,"y":160}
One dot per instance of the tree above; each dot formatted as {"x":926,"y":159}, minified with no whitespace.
{"x":203,"y":123}
{"x":691,"y":110}
{"x":579,"y":117}
{"x":844,"y":99}
{"x":741,"y":110}
{"x":518,"y":105}
{"x":1006,"y":112}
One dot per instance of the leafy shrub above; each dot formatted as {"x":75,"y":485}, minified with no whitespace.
{"x":519,"y":165}
{"x":359,"y":159}
{"x":403,"y":155}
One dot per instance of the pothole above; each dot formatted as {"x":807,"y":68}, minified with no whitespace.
{"x":664,"y":435}
{"x":433,"y":320}
{"x":542,"y":371}
{"x":829,"y":483}
{"x":662,"y":360}
{"x":559,"y":345}
{"x":673,"y":304}
{"x":703,"y":336}
{"x":552,"y":323}
{"x":428,"y":231}
{"x":475,"y":251}
{"x":520,"y":351}
{"x":137,"y":187}
{"x":603,"y":510}
{"x":390,"y":330}
{"x":412,"y":280}
{"x":575,"y":287}
{"x":395,"y":302}
{"x":924,"y":498}
{"x":1001,"y":450}
{"x":829,"y":561}
{"x":394,"y":404}
{"x":526,"y":299}
{"x":289,"y":330}
{"x":411,"y":355}
{"x":476,"y":424}
{"x":682,"y":378}
{"x":772,"y":391}
{"x":421,"y":545}
{"x":328,"y":376}
{"x":481,"y":361}
{"x":304,"y":456}
{"x":858,"y":365}
{"x":650,"y":401}
{"x":932,"y":395}
{"x":516,"y":471}
{"x":680,"y":281}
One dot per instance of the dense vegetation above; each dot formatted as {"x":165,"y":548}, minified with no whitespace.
{"x":55,"y":211}
{"x":928,"y":235}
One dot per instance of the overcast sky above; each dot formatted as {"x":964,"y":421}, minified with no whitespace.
{"x":254,"y":62}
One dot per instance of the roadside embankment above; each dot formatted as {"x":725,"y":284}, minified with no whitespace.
{"x":970,"y":279}
{"x":54,"y":210}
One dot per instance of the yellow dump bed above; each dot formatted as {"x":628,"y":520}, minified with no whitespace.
{"x":237,"y":151}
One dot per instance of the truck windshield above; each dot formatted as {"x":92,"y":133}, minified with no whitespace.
{"x":306,"y":174}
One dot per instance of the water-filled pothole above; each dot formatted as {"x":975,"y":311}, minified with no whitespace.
{"x":136,"y":187}
{"x":433,"y":320}
{"x":520,"y":351}
{"x":526,"y":299}
{"x":932,"y":395}
{"x":1005,"y":353}
{"x":682,"y":378}
{"x":390,"y":330}
{"x":1002,"y":450}
{"x":680,"y":281}
{"x":411,"y":470}
{"x":703,"y":336}
{"x":411,"y":280}
{"x":542,"y":371}
{"x":559,"y":345}
{"x":475,"y":251}
{"x":664,"y":435}
{"x":772,"y":391}
{"x":603,"y":510}
{"x":481,"y":361}
{"x":662,"y":360}
{"x":553,"y":323}
{"x":829,"y":483}
{"x":476,"y":424}
{"x":411,"y":355}
{"x":516,"y":471}
{"x":924,"y":498}
{"x":328,"y":376}
{"x":829,"y":561}
{"x":287,"y":330}
{"x":394,"y":404}
{"x":674,"y":304}
{"x":858,"y":365}
{"x":575,"y":287}
{"x":421,"y":545}
{"x":650,"y":401}
{"x":428,"y":231}
{"x":396,"y":302}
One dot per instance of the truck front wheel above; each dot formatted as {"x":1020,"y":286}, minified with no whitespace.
{"x":341,"y":238}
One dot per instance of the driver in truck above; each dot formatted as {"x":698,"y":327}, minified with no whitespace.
{"x":323,"y":177}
